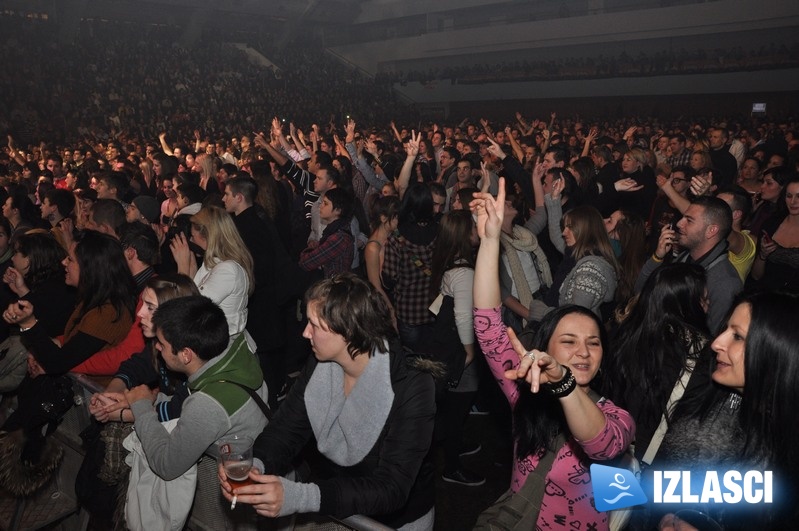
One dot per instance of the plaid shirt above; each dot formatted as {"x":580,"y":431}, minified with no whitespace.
{"x":333,"y":255}
{"x":406,"y":272}
{"x":680,"y":160}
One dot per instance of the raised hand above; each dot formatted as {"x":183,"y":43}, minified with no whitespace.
{"x":666,"y":241}
{"x":701,"y":184}
{"x":485,"y":181}
{"x":277,"y":127}
{"x":412,"y":146}
{"x":259,"y":139}
{"x":495,"y":149}
{"x":535,"y":367}
{"x":350,"y":129}
{"x":490,"y":212}
{"x":557,"y":187}
{"x":15,"y":281}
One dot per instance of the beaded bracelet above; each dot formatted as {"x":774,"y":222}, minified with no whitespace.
{"x":564,"y":387}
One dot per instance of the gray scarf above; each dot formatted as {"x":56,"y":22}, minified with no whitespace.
{"x":524,"y":240}
{"x":346,"y":428}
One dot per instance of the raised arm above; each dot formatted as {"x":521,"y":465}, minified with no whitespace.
{"x":490,"y":212}
{"x":514,"y":144}
{"x":411,"y":152}
{"x":554,"y":214}
{"x":164,"y":146}
{"x":487,"y":128}
{"x":260,"y":140}
{"x":15,"y":155}
{"x":197,"y":142}
{"x":680,"y":202}
{"x":396,"y":132}
{"x":589,"y":139}
{"x":522,"y":124}
{"x":277,"y":132}
{"x":343,"y":148}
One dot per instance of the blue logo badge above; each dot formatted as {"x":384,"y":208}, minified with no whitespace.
{"x":615,"y":488}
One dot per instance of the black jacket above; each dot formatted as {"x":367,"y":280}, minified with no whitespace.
{"x":394,"y":483}
{"x":278,"y":280}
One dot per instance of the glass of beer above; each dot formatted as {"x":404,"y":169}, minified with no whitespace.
{"x":235,"y":453}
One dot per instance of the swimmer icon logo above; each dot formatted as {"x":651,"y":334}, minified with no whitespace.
{"x":615,"y":488}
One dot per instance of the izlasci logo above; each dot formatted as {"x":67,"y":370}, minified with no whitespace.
{"x":615,"y":488}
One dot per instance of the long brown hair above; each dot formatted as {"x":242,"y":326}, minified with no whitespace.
{"x":453,"y":244}
{"x":590,"y":236}
{"x":632,"y":238}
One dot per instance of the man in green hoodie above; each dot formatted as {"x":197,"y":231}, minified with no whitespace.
{"x":192,"y":337}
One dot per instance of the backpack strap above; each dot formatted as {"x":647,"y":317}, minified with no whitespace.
{"x":258,"y":400}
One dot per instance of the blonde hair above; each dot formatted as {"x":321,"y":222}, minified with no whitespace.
{"x":206,"y":164}
{"x":640,"y":156}
{"x":224,"y":241}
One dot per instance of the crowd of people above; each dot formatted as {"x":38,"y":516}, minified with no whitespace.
{"x":671,"y":62}
{"x":600,"y":246}
{"x":83,"y":90}
{"x":593,"y":268}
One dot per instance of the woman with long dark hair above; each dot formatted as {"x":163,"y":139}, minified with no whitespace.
{"x":746,"y":419}
{"x":660,"y":339}
{"x":767,"y":201}
{"x":776,"y":265}
{"x":38,"y":277}
{"x":451,"y":291}
{"x":627,"y":234}
{"x":548,"y":386}
{"x":589,"y":272}
{"x":407,"y":273}
{"x":103,"y":315}
{"x":383,"y":218}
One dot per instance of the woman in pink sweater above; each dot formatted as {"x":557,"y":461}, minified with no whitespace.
{"x":547,"y":388}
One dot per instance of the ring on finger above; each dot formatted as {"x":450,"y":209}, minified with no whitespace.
{"x":530,"y":354}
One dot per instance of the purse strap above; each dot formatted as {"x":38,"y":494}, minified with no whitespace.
{"x":255,"y":396}
{"x":544,"y":465}
{"x":415,"y":259}
{"x":676,"y":394}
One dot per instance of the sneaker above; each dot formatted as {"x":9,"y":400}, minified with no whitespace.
{"x":477,"y":411}
{"x":463,"y":477}
{"x":470,"y":449}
